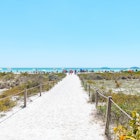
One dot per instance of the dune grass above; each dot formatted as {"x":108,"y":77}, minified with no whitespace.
{"x":124,"y":89}
{"x":19,"y":82}
{"x":109,"y":83}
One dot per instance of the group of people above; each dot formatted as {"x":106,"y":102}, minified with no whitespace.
{"x":70,"y":71}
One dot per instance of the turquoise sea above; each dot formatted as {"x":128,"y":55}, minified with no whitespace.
{"x":32,"y":70}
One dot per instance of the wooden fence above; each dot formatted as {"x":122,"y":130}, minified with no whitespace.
{"x":110,"y":102}
{"x":24,"y":93}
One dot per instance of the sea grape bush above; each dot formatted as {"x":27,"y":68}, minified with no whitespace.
{"x":131,"y":133}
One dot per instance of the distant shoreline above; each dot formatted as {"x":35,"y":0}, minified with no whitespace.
{"x":33,"y":70}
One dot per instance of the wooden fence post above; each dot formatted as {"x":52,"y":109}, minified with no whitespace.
{"x":25,"y":98}
{"x":40,"y":89}
{"x":96,"y":98}
{"x":86,"y":87}
{"x":89,"y":90}
{"x":108,"y":115}
{"x":83,"y":82}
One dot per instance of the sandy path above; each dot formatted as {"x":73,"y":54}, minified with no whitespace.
{"x":60,"y":114}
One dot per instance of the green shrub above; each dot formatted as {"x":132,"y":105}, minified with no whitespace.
{"x":131,"y":133}
{"x":6,"y":104}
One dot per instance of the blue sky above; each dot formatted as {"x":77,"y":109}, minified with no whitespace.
{"x":69,"y":33}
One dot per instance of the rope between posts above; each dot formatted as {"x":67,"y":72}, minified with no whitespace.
{"x":11,"y":95}
{"x":21,"y":92}
{"x":114,"y":104}
{"x":93,"y":87}
{"x":45,"y":84}
{"x":33,"y":88}
{"x":102,"y":95}
{"x":121,"y":110}
{"x":108,"y":110}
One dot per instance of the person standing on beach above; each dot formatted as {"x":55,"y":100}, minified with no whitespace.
{"x":71,"y":71}
{"x":75,"y":71}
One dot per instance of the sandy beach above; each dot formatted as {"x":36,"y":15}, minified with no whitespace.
{"x":63,"y":113}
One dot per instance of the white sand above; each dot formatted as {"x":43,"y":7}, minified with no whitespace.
{"x":60,"y":114}
{"x":2,"y":90}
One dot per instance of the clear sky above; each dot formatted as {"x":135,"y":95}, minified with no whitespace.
{"x":69,"y":33}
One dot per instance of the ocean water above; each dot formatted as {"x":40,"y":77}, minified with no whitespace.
{"x":32,"y":70}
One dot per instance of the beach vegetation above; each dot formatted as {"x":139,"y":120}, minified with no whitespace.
{"x":17,"y":83}
{"x":131,"y":133}
{"x":7,"y":104}
{"x":127,"y":102}
{"x":124,"y":90}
